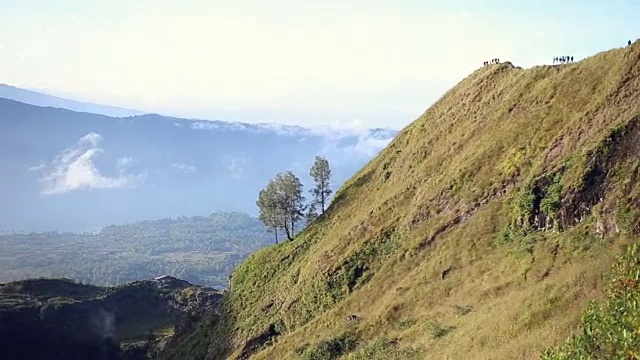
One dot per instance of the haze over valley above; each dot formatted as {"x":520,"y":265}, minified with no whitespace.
{"x":74,"y":171}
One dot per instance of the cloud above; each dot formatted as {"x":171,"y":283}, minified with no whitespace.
{"x":363,"y":147}
{"x":38,"y":167}
{"x":74,"y":169}
{"x":353,"y":140}
{"x":184,"y":168}
{"x":344,"y":141}
{"x":236,"y":165}
{"x":124,"y":162}
{"x":333,"y":130}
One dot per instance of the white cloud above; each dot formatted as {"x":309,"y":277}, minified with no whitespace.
{"x":346,"y":141}
{"x":184,"y":168}
{"x":74,"y":169}
{"x":361,"y":146}
{"x":38,"y":167}
{"x":353,"y":140}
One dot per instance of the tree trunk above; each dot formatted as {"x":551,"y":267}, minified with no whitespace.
{"x":322,"y":198}
{"x":287,"y":231}
{"x":275,"y":230}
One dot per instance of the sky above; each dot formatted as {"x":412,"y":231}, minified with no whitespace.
{"x":381,"y":63}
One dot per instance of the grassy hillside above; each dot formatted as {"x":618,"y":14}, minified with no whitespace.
{"x":480,"y":232}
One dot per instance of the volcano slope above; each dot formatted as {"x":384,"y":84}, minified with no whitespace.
{"x":481,"y":232}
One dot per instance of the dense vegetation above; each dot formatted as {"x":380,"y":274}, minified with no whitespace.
{"x":201,"y":250}
{"x":611,"y":327}
{"x":481,"y":232}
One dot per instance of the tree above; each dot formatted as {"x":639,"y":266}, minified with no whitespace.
{"x":281,"y":203}
{"x":270,"y":213}
{"x":291,"y":201}
{"x":321,"y":174}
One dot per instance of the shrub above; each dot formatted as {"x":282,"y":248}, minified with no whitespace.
{"x":329,"y":349}
{"x":437,"y":330}
{"x":610,"y":328}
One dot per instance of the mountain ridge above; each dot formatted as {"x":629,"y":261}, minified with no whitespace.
{"x":481,"y":231}
{"x":45,"y":100}
{"x":14,"y":93}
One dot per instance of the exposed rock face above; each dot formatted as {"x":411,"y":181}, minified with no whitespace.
{"x":59,"y":319}
{"x":572,"y":205}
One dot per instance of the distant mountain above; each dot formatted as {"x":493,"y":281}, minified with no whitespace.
{"x":40,"y":99}
{"x":71,"y":171}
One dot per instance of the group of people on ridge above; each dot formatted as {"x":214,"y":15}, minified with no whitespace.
{"x":556,"y":59}
{"x":563,"y":59}
{"x":492,"y":61}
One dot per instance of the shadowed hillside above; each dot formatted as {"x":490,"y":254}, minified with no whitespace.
{"x":480,"y":232}
{"x":61,"y":319}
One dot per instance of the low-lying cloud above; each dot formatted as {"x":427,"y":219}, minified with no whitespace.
{"x":353,"y":139}
{"x":184,"y":168}
{"x":74,"y":169}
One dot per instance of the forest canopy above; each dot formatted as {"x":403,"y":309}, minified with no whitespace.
{"x":202,"y":250}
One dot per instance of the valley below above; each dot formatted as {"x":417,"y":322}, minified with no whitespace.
{"x":62,"y":319}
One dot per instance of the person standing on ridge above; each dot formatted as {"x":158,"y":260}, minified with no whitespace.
{"x":629,"y":43}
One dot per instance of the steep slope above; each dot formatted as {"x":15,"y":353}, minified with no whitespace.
{"x":480,"y":232}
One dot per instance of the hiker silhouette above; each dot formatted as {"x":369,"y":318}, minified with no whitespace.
{"x":629,"y":43}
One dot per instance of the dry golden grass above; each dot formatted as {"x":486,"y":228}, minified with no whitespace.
{"x":435,"y":199}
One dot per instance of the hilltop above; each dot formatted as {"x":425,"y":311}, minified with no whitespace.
{"x":62,"y":319}
{"x":480,"y":232}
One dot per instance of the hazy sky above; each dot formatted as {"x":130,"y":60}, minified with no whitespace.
{"x":304,"y":62}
